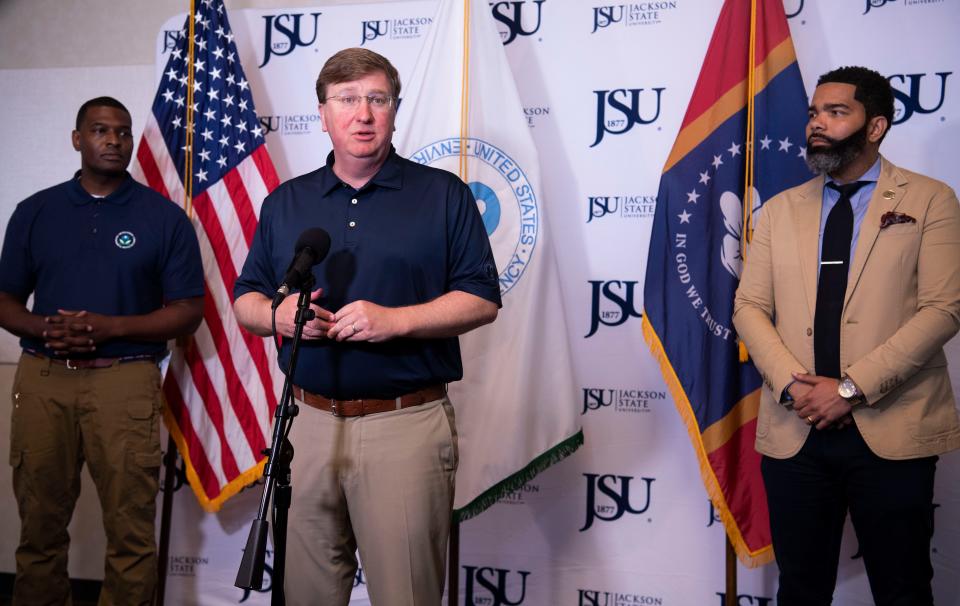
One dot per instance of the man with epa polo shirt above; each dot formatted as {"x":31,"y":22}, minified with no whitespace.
{"x":409,"y":269}
{"x":115,"y":272}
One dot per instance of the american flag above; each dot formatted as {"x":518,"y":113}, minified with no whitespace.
{"x":220,"y":387}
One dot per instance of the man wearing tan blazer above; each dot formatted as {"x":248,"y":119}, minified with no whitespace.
{"x":846,"y":301}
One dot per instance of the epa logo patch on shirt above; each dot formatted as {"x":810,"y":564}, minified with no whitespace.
{"x":125,"y":239}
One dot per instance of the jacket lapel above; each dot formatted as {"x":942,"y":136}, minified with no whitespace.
{"x":887,"y":195}
{"x":806,"y":222}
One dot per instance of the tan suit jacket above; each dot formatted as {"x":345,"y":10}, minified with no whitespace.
{"x":902,"y":305}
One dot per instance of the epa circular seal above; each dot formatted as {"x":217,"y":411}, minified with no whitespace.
{"x":505,"y":197}
{"x":125,"y":239}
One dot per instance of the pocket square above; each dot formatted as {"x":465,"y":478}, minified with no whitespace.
{"x":892,"y":218}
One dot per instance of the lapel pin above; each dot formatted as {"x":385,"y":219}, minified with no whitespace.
{"x":889,"y":194}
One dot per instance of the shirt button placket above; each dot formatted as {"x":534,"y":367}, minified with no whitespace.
{"x":94,"y":220}
{"x":352,"y":218}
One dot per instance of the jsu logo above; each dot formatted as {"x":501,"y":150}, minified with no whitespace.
{"x":514,"y":16}
{"x":631,"y":107}
{"x":404,"y":27}
{"x":907,"y":94}
{"x":171,"y":39}
{"x":621,"y":294}
{"x":595,"y":399}
{"x":712,"y":516}
{"x":179,"y":470}
{"x":290,"y":124}
{"x":744,"y":599}
{"x":486,"y":586}
{"x":374,"y":29}
{"x":626,"y":207}
{"x":623,"y":400}
{"x":616,"y":489}
{"x":596,"y":597}
{"x":875,"y":4}
{"x":601,"y":206}
{"x":605,"y":16}
{"x":270,"y":124}
{"x":638,"y":13}
{"x":290,"y":34}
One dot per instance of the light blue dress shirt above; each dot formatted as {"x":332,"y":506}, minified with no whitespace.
{"x":859,"y":201}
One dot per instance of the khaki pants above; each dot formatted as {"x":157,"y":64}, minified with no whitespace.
{"x":383,"y":483}
{"x":108,"y":418}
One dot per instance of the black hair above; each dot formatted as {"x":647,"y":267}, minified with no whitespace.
{"x":98,"y":102}
{"x":871,"y":89}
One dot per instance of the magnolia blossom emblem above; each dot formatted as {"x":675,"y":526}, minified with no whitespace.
{"x":731,"y":253}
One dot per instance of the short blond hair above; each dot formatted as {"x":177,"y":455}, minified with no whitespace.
{"x":353,"y":64}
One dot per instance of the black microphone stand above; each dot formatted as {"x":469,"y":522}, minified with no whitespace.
{"x":277,"y":472}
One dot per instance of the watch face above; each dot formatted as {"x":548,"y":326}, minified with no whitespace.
{"x":847,"y":389}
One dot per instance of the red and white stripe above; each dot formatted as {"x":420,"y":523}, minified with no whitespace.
{"x":222,"y":388}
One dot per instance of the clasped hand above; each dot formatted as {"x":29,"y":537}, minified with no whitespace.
{"x":71,"y":332}
{"x":816,"y":401}
{"x":355,"y":321}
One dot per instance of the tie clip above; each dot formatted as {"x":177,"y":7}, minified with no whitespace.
{"x":831,"y":262}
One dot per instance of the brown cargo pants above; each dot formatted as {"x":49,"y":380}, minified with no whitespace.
{"x":108,"y":418}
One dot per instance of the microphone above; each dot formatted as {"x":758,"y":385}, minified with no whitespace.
{"x":311,"y":248}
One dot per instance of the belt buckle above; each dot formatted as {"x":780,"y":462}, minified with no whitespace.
{"x":70,"y":365}
{"x":333,"y":407}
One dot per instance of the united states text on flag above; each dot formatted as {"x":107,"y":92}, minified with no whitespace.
{"x":220,"y":388}
{"x":695,"y":258}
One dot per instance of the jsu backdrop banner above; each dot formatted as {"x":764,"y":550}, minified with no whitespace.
{"x":604,"y":87}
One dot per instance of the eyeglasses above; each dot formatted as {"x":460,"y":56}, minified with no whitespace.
{"x":380,"y":102}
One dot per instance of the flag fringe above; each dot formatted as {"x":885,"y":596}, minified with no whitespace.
{"x":750,"y":559}
{"x":209,"y":505}
{"x":490,"y":496}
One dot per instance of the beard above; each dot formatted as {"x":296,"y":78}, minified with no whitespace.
{"x":839,"y":154}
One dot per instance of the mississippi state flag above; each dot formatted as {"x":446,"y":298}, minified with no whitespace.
{"x":695,"y":257}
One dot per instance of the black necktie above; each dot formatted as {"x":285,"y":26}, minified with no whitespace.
{"x":832,"y":287}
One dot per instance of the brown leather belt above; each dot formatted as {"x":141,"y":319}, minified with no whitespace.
{"x":92,"y":363}
{"x":359,"y":408}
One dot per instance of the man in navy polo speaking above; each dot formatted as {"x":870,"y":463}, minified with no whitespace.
{"x":410,"y":268}
{"x":115,"y":272}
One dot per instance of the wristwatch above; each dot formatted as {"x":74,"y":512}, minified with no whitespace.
{"x":849,"y":391}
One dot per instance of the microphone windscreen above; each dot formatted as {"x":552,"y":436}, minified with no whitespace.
{"x":317,"y":239}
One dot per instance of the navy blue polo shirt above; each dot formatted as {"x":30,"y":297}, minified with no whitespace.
{"x":123,"y":254}
{"x":408,"y":236}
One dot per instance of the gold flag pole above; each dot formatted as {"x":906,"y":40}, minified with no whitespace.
{"x":170,"y":458}
{"x":746,"y":235}
{"x":465,"y":92}
{"x":188,"y":152}
{"x":747,"y":228}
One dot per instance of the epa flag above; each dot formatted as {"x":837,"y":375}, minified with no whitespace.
{"x":220,"y":388}
{"x":516,"y":406}
{"x":695,"y":254}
